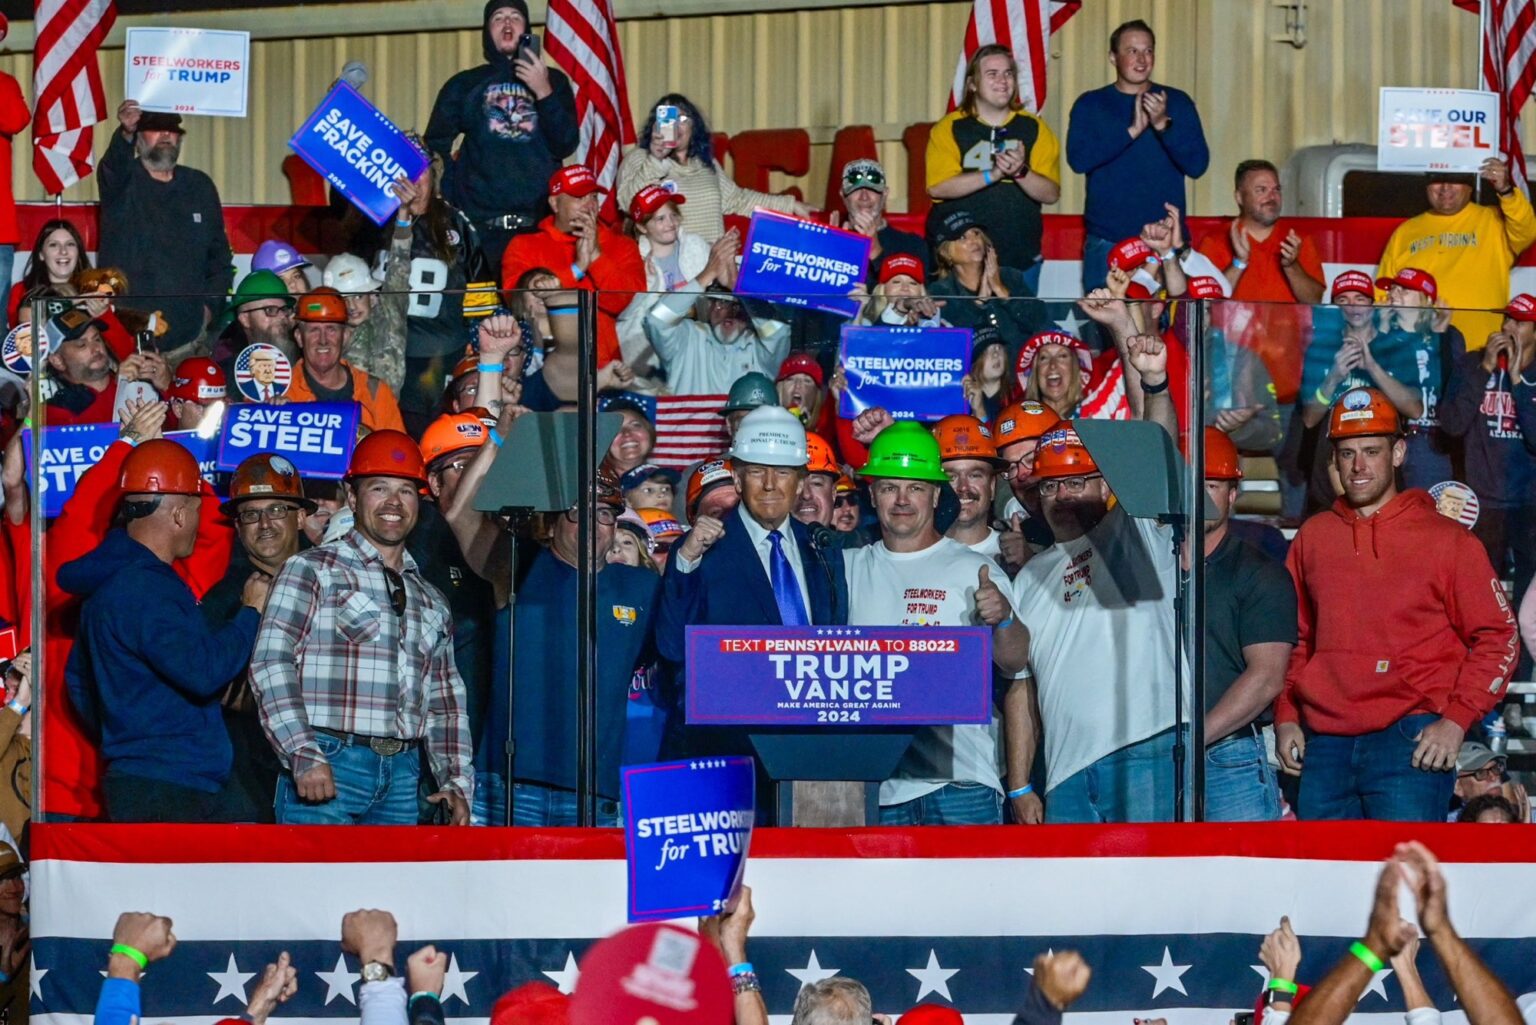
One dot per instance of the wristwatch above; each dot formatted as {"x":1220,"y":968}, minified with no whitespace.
{"x":377,"y":971}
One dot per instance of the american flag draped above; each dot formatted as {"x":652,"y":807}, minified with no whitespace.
{"x":689,"y":428}
{"x":1508,"y":60}
{"x":1025,"y":27}
{"x":584,"y":41}
{"x":67,"y":83}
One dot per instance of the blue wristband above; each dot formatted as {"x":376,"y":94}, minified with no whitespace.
{"x":986,"y":176}
{"x":494,"y":437}
{"x":578,"y":272}
{"x":489,"y":368}
{"x":425,"y":994}
{"x":744,"y":968}
{"x":18,"y":708}
{"x":1005,"y":624}
{"x":1027,"y":788}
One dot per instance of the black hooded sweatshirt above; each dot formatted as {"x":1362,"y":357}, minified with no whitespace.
{"x":512,"y":144}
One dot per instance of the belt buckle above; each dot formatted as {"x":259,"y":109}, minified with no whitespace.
{"x":386,"y":747}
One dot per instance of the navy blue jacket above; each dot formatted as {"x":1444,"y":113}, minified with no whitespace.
{"x":730,"y":587}
{"x":146,"y":670}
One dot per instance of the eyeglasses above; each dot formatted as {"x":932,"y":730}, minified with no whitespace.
{"x":1487,"y":774}
{"x":1071,"y":485}
{"x":274,"y":312}
{"x":274,"y":513}
{"x":604,"y":514}
{"x":864,"y":178}
{"x":842,"y":501}
{"x":1019,"y":467}
{"x":457,"y":466}
{"x":396,"y":584}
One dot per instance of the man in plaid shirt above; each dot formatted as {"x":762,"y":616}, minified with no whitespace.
{"x":353,"y":667}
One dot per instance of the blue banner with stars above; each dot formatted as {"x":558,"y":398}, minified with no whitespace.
{"x":847,"y":675}
{"x":687,"y":827}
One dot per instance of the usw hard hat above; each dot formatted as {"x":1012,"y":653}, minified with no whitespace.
{"x":198,"y":379}
{"x":387,"y":453}
{"x":962,"y":436}
{"x":266,"y":475}
{"x":1022,"y":421}
{"x":749,"y":391}
{"x":160,"y":467}
{"x":819,"y":457}
{"x":1221,"y":462}
{"x":1362,"y":412}
{"x":1063,"y":454}
{"x":905,"y":451}
{"x":453,"y":432}
{"x":770,"y":436}
{"x":705,"y":478}
{"x":322,"y":306}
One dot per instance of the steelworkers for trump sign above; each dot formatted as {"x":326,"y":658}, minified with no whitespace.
{"x":842,"y":675}
{"x":801,"y":263}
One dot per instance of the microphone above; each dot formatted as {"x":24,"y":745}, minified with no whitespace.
{"x":823,"y":537}
{"x":823,"y":540}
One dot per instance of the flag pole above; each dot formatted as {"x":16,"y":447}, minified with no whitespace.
{"x":1478,"y":83}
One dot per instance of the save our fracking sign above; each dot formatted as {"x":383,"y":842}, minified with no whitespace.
{"x":850,"y":676}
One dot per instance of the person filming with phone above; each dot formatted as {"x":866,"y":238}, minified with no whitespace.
{"x":517,"y":117}
{"x":676,"y":152}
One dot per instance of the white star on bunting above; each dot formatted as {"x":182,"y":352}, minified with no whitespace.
{"x":1167,"y":974}
{"x":454,"y":981}
{"x":813,"y":972}
{"x":565,"y":978}
{"x":339,"y":982}
{"x":231,"y":982}
{"x":932,"y":978}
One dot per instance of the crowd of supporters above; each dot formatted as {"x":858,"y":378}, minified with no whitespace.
{"x":262,"y":646}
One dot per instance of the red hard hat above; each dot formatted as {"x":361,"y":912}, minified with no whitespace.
{"x":266,"y":475}
{"x":388,"y":454}
{"x":160,"y":467}
{"x":962,"y":436}
{"x":1221,"y":462}
{"x":322,"y":306}
{"x":1363,"y":412}
{"x":451,"y":433}
{"x":198,"y":379}
{"x":1063,"y":454}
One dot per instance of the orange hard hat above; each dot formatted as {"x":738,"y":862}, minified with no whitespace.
{"x":704,"y":477}
{"x":198,"y":379}
{"x":1063,"y":454}
{"x":453,"y":432}
{"x":1022,"y":421}
{"x":845,"y":484}
{"x":266,"y":475}
{"x":1361,"y":412}
{"x":663,"y":526}
{"x":160,"y":467}
{"x":388,"y":453}
{"x":962,"y":436}
{"x":821,"y":459}
{"x":1221,"y":456}
{"x":322,"y":306}
{"x":470,"y":364}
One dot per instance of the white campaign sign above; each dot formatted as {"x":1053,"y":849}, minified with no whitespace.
{"x":188,"y":70}
{"x":1436,"y":129}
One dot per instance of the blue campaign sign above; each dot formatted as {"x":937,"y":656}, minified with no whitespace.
{"x":316,"y":436}
{"x":206,"y":451}
{"x":802,"y":263}
{"x":914,"y":372}
{"x":69,"y":451}
{"x":844,"y":675}
{"x":358,"y":150}
{"x":687,"y":827}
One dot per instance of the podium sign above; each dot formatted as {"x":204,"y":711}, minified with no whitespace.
{"x":845,"y":676}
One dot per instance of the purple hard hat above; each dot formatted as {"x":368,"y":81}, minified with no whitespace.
{"x":277,"y":257}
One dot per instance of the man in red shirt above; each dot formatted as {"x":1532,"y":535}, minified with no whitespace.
{"x":1270,"y":262}
{"x":1405,"y":636}
{"x":81,"y":362}
{"x":577,"y":248}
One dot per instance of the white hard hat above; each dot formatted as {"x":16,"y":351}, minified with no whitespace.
{"x":349,"y":275}
{"x":770,"y":436}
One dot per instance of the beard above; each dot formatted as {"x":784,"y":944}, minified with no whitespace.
{"x":162,"y":156}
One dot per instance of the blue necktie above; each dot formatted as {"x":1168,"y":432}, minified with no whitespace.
{"x":786,"y":592}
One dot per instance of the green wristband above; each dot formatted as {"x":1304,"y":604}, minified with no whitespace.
{"x":1284,"y":986}
{"x":1322,"y":400}
{"x":136,"y":956}
{"x":1367,"y":956}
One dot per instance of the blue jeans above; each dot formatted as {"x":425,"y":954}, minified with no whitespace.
{"x":1372,"y":777}
{"x":489,"y":807}
{"x":1133,"y":784}
{"x":1240,"y":784}
{"x":1095,"y":261}
{"x":371,"y":790}
{"x":537,"y":805}
{"x":953,"y":804}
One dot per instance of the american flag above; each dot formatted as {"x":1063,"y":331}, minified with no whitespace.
{"x":1025,"y":27}
{"x":1169,"y":917}
{"x":584,"y":41}
{"x":689,"y":428}
{"x":1509,"y":69}
{"x":67,"y":84}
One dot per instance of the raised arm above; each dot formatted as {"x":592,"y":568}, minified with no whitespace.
{"x":1333,"y":1000}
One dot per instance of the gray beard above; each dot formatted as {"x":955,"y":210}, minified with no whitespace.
{"x":161,"y":158}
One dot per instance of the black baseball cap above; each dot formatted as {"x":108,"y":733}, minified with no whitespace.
{"x":946,"y":226}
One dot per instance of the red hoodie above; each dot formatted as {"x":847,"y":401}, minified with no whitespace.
{"x":1400,"y":613}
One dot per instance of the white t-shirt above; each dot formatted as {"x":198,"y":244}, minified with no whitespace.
{"x":991,"y":548}
{"x":933,"y":587}
{"x":1101,"y":626}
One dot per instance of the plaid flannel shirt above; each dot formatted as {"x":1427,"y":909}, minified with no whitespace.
{"x":331,"y":652}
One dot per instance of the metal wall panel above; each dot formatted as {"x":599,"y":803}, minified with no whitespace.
{"x":886,"y":66}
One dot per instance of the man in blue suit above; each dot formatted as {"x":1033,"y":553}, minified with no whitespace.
{"x":757,"y":567}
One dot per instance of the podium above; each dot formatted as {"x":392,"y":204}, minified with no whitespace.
{"x":830,"y":711}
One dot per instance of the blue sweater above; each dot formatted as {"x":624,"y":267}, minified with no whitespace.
{"x":1129,"y":180}
{"x":146,"y":670}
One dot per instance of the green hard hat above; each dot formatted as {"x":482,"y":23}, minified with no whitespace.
{"x":749,"y":391}
{"x":905,"y":451}
{"x":260,"y":284}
